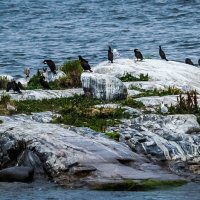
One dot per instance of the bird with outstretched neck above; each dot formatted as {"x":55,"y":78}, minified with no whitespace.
{"x":189,"y":61}
{"x":138,"y":54}
{"x":162,"y":54}
{"x":84,"y":64}
{"x":51,"y":65}
{"x":110,"y":54}
{"x":44,"y":83}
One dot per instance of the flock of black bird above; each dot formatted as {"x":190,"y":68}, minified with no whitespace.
{"x":17,"y":87}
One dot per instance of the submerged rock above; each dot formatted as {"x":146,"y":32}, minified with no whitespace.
{"x":103,"y":86}
{"x":19,"y":174}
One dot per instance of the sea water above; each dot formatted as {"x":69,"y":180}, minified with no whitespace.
{"x":34,"y":30}
{"x":50,"y":191}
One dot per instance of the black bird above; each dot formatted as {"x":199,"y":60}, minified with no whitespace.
{"x":162,"y":54}
{"x":199,"y":62}
{"x":14,"y":86}
{"x":51,"y":65}
{"x":138,"y":54}
{"x":84,"y":64}
{"x":188,"y":61}
{"x":44,"y":83}
{"x":110,"y":54}
{"x":20,"y":86}
{"x":44,"y":69}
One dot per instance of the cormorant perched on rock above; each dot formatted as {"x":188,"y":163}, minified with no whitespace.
{"x":14,"y":86}
{"x":51,"y":65}
{"x":188,"y":61}
{"x":44,"y":83}
{"x":162,"y":54}
{"x":138,"y":54}
{"x":110,"y":54}
{"x":84,"y":64}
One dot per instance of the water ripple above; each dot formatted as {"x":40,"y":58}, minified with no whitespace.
{"x":33,"y":30}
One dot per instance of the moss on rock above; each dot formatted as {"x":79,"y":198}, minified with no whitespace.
{"x":144,"y":185}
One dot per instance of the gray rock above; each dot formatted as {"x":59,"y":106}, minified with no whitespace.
{"x":40,"y":94}
{"x":76,"y":156}
{"x":104,"y":87}
{"x":164,"y":138}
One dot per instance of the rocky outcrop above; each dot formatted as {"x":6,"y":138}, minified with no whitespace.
{"x":172,"y":138}
{"x":104,"y":87}
{"x":162,"y":74}
{"x":72,"y":156}
{"x":40,"y":94}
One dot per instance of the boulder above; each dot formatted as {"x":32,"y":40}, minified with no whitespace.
{"x":19,"y":174}
{"x":103,"y":86}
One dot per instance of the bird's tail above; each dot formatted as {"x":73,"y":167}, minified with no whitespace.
{"x":166,"y":59}
{"x":90,"y":70}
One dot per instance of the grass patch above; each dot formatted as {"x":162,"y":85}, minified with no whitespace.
{"x":77,"y":111}
{"x":158,"y":92}
{"x":3,"y":82}
{"x":34,"y":82}
{"x":186,"y":104}
{"x":131,"y":102}
{"x":144,"y":185}
{"x":113,"y":135}
{"x":5,"y":99}
{"x":73,"y":71}
{"x":134,"y":87}
{"x":127,"y":77}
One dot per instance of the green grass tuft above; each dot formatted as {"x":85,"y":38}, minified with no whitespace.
{"x":157,"y":92}
{"x":129,"y":77}
{"x":131,"y":102}
{"x":144,"y":185}
{"x":73,"y":71}
{"x":3,"y":82}
{"x":113,"y":135}
{"x":34,"y":82}
{"x":5,"y":98}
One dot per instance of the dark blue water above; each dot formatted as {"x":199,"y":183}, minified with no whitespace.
{"x":47,"y":191}
{"x":32,"y":30}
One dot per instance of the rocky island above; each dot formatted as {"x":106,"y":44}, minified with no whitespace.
{"x":132,"y":125}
